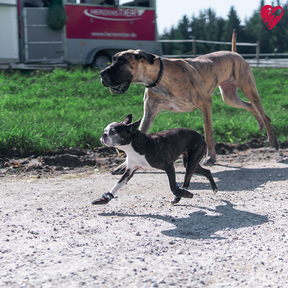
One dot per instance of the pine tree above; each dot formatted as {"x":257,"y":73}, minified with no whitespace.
{"x":232,"y":23}
{"x":185,"y":34}
{"x":207,"y":26}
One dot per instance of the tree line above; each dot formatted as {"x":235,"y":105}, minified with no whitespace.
{"x":207,"y":26}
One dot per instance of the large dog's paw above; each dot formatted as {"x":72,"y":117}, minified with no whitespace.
{"x":119,"y":170}
{"x":209,"y":161}
{"x":273,"y":142}
{"x":106,"y":197}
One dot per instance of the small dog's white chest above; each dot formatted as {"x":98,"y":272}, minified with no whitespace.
{"x":134,"y":159}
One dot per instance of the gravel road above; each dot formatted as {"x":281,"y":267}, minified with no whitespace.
{"x":51,"y":236}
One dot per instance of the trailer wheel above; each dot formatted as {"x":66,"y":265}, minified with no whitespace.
{"x":101,"y":61}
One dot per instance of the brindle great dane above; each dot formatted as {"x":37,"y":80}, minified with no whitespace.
{"x":182,"y":85}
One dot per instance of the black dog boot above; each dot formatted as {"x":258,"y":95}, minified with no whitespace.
{"x":181,"y":193}
{"x":175,"y":200}
{"x":106,"y":197}
{"x":187,"y":194}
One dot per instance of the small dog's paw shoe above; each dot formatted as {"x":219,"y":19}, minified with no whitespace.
{"x":99,"y":201}
{"x":187,"y":194}
{"x":106,"y":197}
{"x":175,"y":200}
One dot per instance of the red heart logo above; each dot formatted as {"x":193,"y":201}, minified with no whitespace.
{"x":269,"y":16}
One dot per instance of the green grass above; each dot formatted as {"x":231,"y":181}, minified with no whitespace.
{"x":44,"y":111}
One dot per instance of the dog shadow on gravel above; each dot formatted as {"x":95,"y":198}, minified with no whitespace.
{"x":238,"y":179}
{"x":203,"y":225}
{"x":241,"y":179}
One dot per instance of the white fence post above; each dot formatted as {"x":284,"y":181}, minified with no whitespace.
{"x":194,"y":47}
{"x":257,"y":52}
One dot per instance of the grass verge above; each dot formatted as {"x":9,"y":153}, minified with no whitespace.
{"x":44,"y":110}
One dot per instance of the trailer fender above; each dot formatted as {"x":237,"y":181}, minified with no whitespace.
{"x":99,"y":56}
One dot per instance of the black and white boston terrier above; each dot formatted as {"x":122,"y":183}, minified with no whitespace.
{"x":156,"y":150}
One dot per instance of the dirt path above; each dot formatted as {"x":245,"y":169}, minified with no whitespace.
{"x":52,"y":237}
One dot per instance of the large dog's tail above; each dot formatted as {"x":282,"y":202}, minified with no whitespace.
{"x":234,"y":38}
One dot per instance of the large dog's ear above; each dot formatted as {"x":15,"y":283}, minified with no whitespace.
{"x":127,"y":119}
{"x":132,"y":128}
{"x":140,"y":54}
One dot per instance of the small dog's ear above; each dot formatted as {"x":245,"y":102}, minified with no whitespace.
{"x":132,"y":128}
{"x":127,"y":119}
{"x":140,"y":54}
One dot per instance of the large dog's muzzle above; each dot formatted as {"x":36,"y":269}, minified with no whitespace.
{"x":117,"y":89}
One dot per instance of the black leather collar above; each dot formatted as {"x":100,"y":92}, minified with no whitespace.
{"x":160,"y":74}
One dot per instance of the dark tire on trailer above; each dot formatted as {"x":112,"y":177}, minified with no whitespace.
{"x":101,"y":61}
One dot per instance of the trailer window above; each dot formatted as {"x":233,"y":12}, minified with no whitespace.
{"x":133,"y":3}
{"x":36,"y":3}
{"x":138,"y":3}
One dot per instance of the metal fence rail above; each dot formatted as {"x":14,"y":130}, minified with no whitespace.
{"x":268,"y":59}
{"x":207,"y":41}
{"x":272,"y":63}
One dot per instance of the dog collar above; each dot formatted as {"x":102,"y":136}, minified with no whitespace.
{"x":160,"y":74}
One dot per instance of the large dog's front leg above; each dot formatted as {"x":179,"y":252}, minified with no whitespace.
{"x":151,"y":109}
{"x":106,"y":197}
{"x":178,"y":192}
{"x":207,"y":114}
